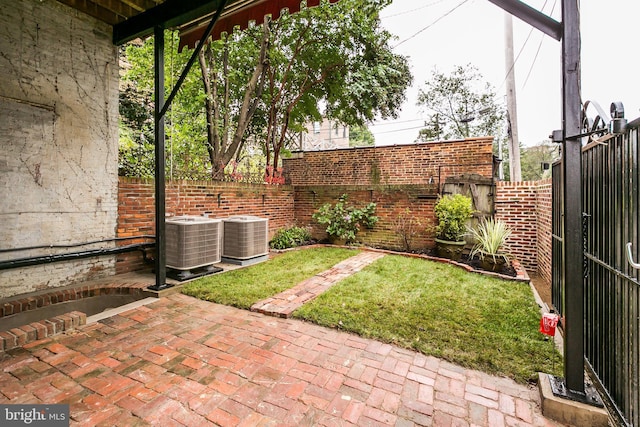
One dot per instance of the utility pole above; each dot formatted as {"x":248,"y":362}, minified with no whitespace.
{"x":512,"y":109}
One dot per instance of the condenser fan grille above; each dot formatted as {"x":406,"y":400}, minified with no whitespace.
{"x":245,"y":237}
{"x":193,"y":242}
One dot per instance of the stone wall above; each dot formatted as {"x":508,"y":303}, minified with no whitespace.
{"x":59,"y":138}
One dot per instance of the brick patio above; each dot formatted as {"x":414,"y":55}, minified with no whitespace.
{"x":185,"y":362}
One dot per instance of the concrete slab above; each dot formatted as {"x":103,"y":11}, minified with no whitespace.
{"x":568,"y":411}
{"x":245,"y":262}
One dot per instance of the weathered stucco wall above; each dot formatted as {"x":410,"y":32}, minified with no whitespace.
{"x":59,"y":139}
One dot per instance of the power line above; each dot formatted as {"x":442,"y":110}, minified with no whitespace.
{"x":412,"y":10}
{"x":398,"y":130}
{"x":395,"y":123}
{"x":542,"y":37}
{"x":432,"y":24}
{"x":520,"y":51}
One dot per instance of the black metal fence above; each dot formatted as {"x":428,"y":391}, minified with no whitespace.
{"x":557,"y":260}
{"x":611,"y":206}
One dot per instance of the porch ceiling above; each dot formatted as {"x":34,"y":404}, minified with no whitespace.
{"x":112,"y":11}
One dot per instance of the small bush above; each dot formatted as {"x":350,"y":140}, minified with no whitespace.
{"x":290,"y":238}
{"x":343,"y":220}
{"x":452,"y":213}
{"x":406,"y":226}
{"x":490,"y":236}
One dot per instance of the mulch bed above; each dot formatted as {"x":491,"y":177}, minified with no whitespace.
{"x":507,"y":269}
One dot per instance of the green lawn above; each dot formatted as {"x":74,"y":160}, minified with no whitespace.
{"x":243,"y":287}
{"x":438,"y":309}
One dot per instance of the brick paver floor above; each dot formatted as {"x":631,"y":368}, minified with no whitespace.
{"x":185,"y":362}
{"x":286,"y":302}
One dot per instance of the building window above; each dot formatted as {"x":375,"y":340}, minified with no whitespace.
{"x":316,"y":127}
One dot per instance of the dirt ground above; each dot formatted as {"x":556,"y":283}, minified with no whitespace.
{"x":543,"y":288}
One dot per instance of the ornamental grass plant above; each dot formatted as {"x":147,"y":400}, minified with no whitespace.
{"x":490,"y":236}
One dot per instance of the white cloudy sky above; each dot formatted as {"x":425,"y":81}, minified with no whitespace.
{"x":473,"y":32}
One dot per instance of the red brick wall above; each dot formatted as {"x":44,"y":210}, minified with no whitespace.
{"x":396,"y":178}
{"x":413,"y":164}
{"x":389,"y":176}
{"x":391,"y":203}
{"x":136,"y":209}
{"x":526,"y":207}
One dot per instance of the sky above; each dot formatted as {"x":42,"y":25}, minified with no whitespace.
{"x":446,"y":33}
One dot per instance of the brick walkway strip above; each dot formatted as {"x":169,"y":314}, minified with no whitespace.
{"x":286,"y":302}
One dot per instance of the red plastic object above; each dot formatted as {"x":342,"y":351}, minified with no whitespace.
{"x":548,"y":324}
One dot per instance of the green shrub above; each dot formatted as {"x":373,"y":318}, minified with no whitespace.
{"x":452,"y":213}
{"x":290,"y":238}
{"x":343,"y":221}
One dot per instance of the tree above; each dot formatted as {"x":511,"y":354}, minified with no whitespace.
{"x":233,"y":73}
{"x":337,"y":56}
{"x":361,"y":136}
{"x":534,"y":159}
{"x":459,"y":106}
{"x":185,"y":124}
{"x":264,"y":83}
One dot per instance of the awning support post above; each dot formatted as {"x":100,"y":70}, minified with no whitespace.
{"x":161,"y":244}
{"x":160,"y":111}
{"x":572,"y":177}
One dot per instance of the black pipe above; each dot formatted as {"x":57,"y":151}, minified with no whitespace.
{"x":76,"y":245}
{"x":47,"y":259}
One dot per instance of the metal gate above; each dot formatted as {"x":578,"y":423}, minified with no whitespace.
{"x":557,"y":255}
{"x":611,"y":212}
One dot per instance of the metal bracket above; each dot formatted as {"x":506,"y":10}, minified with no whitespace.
{"x":590,"y":396}
{"x":630,"y":257}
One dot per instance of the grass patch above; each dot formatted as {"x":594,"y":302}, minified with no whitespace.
{"x":472,"y":320}
{"x":244,"y":287}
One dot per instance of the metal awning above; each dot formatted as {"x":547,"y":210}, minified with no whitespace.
{"x":239,"y":15}
{"x":138,"y":18}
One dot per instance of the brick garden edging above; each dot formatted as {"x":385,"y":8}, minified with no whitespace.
{"x":521,"y":273}
{"x":17,"y":337}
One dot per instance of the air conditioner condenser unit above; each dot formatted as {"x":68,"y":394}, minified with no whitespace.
{"x":246,"y":239}
{"x":193,"y":242}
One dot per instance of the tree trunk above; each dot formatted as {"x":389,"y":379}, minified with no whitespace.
{"x":221,"y":149}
